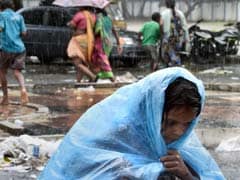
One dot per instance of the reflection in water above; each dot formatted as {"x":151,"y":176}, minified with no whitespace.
{"x":67,"y":105}
{"x":14,"y":111}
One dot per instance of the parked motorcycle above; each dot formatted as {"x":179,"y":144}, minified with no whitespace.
{"x":230,"y":36}
{"x":207,"y":45}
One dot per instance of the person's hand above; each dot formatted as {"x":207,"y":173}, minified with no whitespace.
{"x":139,"y":43}
{"x":174,"y":164}
{"x":119,"y":49}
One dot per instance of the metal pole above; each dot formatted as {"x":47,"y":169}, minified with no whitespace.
{"x":212,"y":7}
{"x":224,"y":10}
{"x":132,"y":8}
{"x":237,"y":10}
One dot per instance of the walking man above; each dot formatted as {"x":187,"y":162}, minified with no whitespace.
{"x":150,"y":33}
{"x":12,"y":49}
{"x":175,"y":34}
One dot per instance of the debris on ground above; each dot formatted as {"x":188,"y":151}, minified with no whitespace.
{"x":127,"y":77}
{"x":229,"y":145}
{"x":25,"y":153}
{"x":88,"y":88}
{"x":217,"y":71}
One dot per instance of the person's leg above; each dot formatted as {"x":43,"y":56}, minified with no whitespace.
{"x":79,"y":74}
{"x":154,"y":58}
{"x":164,"y":53}
{"x":18,"y":63}
{"x":81,"y":69}
{"x":20,"y":78}
{"x":87,"y":71}
{"x":174,"y":58}
{"x":3,"y":72}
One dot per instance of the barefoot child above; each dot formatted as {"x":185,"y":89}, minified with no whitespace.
{"x":12,"y":49}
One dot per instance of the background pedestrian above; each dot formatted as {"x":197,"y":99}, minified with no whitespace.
{"x":175,"y":34}
{"x":80,"y":47}
{"x":150,"y":34}
{"x":104,"y":33}
{"x":12,"y":53}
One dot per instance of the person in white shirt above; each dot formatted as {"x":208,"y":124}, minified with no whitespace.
{"x":175,"y":33}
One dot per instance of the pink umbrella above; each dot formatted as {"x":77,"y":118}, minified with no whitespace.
{"x":78,"y":3}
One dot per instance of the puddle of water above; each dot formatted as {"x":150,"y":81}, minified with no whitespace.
{"x":13,"y":111}
{"x":39,"y":129}
{"x":67,"y":105}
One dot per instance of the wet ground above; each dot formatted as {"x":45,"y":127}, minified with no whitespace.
{"x":53,"y":86}
{"x":66,"y":105}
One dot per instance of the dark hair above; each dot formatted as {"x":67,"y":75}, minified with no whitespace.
{"x":103,"y":11}
{"x":156,"y":16}
{"x":4,"y":4}
{"x":171,"y":4}
{"x":88,"y":8}
{"x":182,"y":92}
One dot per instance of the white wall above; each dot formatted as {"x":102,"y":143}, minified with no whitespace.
{"x":232,"y":9}
{"x":30,"y":3}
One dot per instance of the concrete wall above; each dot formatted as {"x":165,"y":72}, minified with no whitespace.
{"x":30,"y":3}
{"x":211,"y":10}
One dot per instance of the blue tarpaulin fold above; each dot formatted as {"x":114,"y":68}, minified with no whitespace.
{"x":120,"y":136}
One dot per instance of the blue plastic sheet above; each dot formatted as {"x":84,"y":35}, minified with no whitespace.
{"x":120,"y":136}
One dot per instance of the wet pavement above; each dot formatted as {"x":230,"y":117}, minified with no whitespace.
{"x":56,"y":90}
{"x":53,"y":86}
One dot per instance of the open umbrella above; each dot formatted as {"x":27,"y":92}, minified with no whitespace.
{"x":80,"y":3}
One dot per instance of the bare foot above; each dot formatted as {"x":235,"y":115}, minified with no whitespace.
{"x":4,"y":101}
{"x":112,"y":79}
{"x":93,"y":79}
{"x":24,"y":98}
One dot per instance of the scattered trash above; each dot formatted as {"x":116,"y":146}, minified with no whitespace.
{"x":34,"y":59}
{"x":235,"y":78}
{"x":35,"y":151}
{"x":127,"y":77}
{"x":71,"y":72}
{"x":20,"y":168}
{"x":103,"y":81}
{"x":69,"y":80}
{"x":18,"y":122}
{"x":79,"y":98}
{"x":229,"y":145}
{"x":90,"y":100}
{"x":25,"y":153}
{"x":33,"y":176}
{"x":29,"y":80}
{"x":217,"y":70}
{"x":140,"y":77}
{"x":89,"y":88}
{"x":40,"y":168}
{"x":58,"y":91}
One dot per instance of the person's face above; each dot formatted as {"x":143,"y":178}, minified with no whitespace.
{"x":176,"y":122}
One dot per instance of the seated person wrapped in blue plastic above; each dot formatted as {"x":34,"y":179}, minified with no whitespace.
{"x":142,"y":131}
